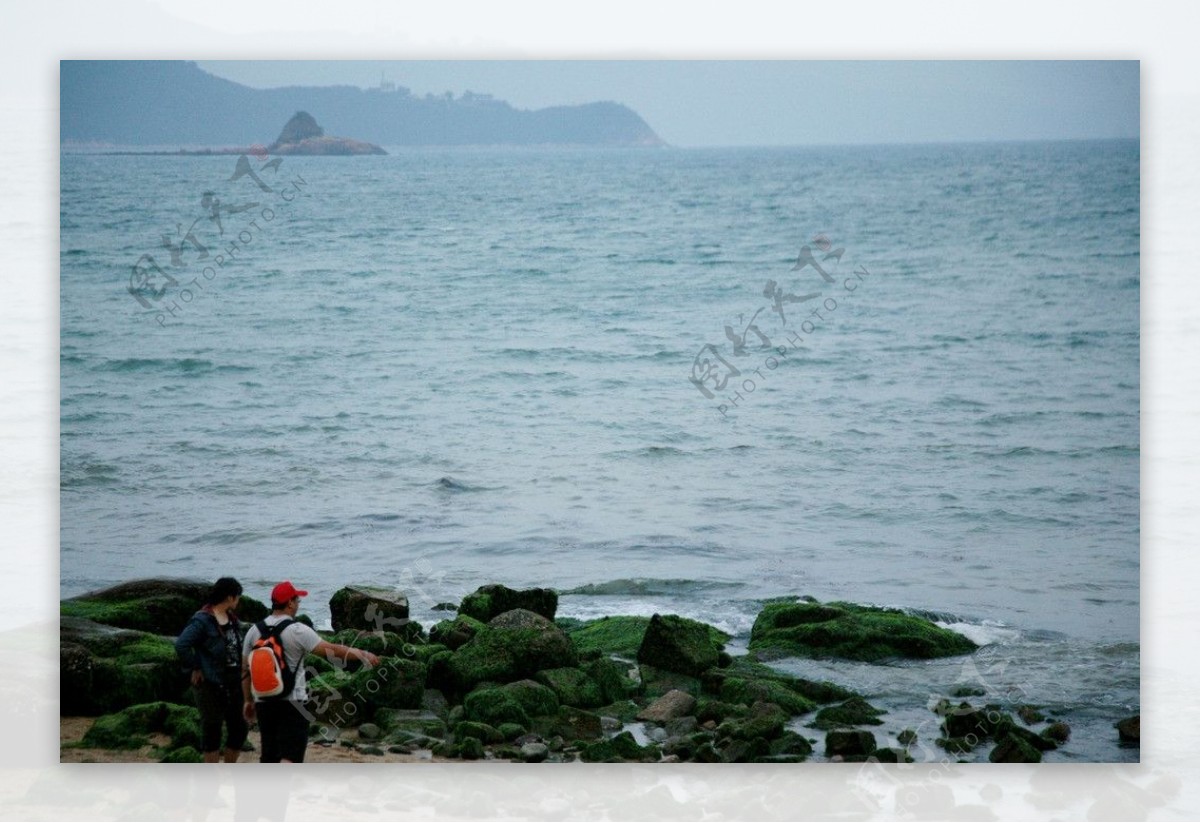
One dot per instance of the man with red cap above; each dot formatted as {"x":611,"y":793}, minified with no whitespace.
{"x":283,"y":720}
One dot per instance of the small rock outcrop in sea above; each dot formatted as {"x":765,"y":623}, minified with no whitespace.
{"x":809,"y":629}
{"x":494,"y":599}
{"x":1129,"y":730}
{"x":302,"y":136}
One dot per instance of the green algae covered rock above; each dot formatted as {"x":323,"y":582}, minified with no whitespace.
{"x":620,"y":635}
{"x":456,"y":633}
{"x":852,"y":632}
{"x":572,"y":686}
{"x":130,"y":727}
{"x":517,"y":702}
{"x":104,"y":669}
{"x":514,"y":645}
{"x":155,"y":605}
{"x":749,"y":692}
{"x":678,"y":644}
{"x":492,"y":600}
{"x":854,"y":712}
{"x":749,"y":669}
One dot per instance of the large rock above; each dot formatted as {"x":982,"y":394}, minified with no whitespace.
{"x":368,"y":608}
{"x":514,"y":645}
{"x":573,"y":687}
{"x":853,"y":632}
{"x":302,"y":136}
{"x":156,"y":605}
{"x":849,"y":743}
{"x":854,"y":712}
{"x":130,"y":727}
{"x":1014,"y":750}
{"x":105,"y":669}
{"x":343,"y":698}
{"x":494,"y":599}
{"x":671,"y":705}
{"x":679,"y":645}
{"x":517,"y":702}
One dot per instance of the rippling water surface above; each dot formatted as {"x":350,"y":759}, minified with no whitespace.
{"x":441,"y":368}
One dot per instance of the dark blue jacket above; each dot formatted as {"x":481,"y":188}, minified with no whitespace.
{"x":201,"y":645}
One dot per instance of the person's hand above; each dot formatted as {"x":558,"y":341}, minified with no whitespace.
{"x":248,"y":711}
{"x":369,"y":658}
{"x":197,"y":677}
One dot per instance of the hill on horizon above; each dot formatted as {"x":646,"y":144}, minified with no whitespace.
{"x":175,"y":102}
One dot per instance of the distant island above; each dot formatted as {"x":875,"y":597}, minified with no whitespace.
{"x":160,"y":103}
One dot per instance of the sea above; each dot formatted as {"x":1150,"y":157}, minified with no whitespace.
{"x":657,"y":380}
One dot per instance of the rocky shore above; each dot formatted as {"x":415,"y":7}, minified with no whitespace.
{"x":504,"y":678}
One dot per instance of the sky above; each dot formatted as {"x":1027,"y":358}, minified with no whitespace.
{"x":765,"y":103}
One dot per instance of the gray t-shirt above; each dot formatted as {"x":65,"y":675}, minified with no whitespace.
{"x":298,"y":640}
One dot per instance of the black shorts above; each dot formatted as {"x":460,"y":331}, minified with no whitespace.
{"x":284,"y":728}
{"x":221,"y":705}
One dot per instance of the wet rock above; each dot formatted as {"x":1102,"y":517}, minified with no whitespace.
{"x":369,"y":731}
{"x":748,"y":692}
{"x":1014,"y":750}
{"x":907,"y":737}
{"x":668,"y":707}
{"x":891,"y":755}
{"x":470,"y":749}
{"x":612,"y":678}
{"x":517,"y":702}
{"x":680,"y":726}
{"x":1058,"y":731}
{"x":853,"y":712}
{"x":368,"y":608}
{"x":480,"y":731}
{"x":849,"y":743}
{"x":1030,"y":715}
{"x":488,"y":602}
{"x":791,"y":744}
{"x":534,"y":752}
{"x":844,"y":630}
{"x":656,"y":682}
{"x":1129,"y":730}
{"x":679,"y":645}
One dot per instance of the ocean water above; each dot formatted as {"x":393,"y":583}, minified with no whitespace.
{"x":442,"y":368}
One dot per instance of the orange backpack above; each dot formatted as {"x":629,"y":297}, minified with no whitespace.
{"x":270,"y":676}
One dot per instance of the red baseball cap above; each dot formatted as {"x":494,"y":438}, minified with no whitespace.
{"x":285,"y":591}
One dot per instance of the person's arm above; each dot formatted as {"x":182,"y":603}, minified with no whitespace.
{"x":331,"y":650}
{"x":185,"y":649}
{"x":247,"y":694}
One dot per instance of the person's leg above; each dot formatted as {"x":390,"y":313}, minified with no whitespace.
{"x":268,"y":726}
{"x":236,"y":727}
{"x":208,"y":700}
{"x":293,"y":732}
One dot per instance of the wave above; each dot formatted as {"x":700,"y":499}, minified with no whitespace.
{"x":650,"y":587}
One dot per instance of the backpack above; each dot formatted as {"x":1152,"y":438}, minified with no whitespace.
{"x":271,"y":678}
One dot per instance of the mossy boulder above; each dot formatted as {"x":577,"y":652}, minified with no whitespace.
{"x":612,"y":677}
{"x":747,"y":692}
{"x":849,"y":743}
{"x":516,"y":702}
{"x":154,"y":605}
{"x":456,"y":633}
{"x":619,"y":635}
{"x":1013,"y":749}
{"x":852,"y":632}
{"x":765,"y":721}
{"x":105,"y":669}
{"x":572,"y":686}
{"x":569,"y":723}
{"x":854,"y":712}
{"x":481,"y":731}
{"x":678,"y":644}
{"x":345,"y":697}
{"x":514,"y":645}
{"x":494,"y":599}
{"x":130,"y":727}
{"x":627,"y":748}
{"x":656,"y":682}
{"x":402,"y":643}
{"x":746,"y":668}
{"x":368,"y":608}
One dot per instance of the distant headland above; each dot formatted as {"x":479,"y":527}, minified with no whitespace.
{"x":123,"y":104}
